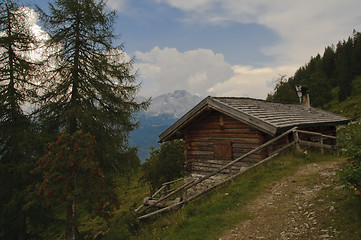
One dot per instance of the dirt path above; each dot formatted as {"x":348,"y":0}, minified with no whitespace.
{"x":291,"y":208}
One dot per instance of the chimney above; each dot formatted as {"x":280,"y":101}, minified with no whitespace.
{"x":303,"y":95}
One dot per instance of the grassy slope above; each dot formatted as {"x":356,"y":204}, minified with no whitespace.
{"x":131,"y":193}
{"x":222,"y":209}
{"x":350,"y":108}
{"x":347,"y":217}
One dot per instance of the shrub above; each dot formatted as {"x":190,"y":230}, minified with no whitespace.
{"x":350,"y":138}
{"x":165,"y":163}
{"x":70,"y":176}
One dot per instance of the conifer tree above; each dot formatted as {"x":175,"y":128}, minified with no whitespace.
{"x":92,"y":86}
{"x":17,"y":87}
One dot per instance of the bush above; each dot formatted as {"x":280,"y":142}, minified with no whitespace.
{"x":350,"y":138}
{"x":165,"y":164}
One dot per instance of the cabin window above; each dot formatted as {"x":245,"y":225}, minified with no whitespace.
{"x":222,"y":150}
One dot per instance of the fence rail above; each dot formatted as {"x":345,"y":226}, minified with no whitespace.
{"x":296,"y":141}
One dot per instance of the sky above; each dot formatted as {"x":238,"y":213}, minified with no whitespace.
{"x":234,"y":48}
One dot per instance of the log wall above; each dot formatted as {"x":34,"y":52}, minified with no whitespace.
{"x":216,"y":139}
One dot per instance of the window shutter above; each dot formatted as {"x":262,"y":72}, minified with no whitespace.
{"x":222,"y":150}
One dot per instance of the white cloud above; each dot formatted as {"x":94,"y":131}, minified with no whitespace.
{"x":203,"y":72}
{"x":196,"y":70}
{"x":189,"y":5}
{"x":251,"y":82}
{"x":119,"y":5}
{"x":305,"y":27}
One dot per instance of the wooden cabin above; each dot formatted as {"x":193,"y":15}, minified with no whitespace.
{"x":221,"y":129}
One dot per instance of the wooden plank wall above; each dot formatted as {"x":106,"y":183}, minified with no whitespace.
{"x":213,"y":128}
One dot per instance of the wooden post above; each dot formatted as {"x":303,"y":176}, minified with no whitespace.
{"x":321,"y":141}
{"x":296,"y":139}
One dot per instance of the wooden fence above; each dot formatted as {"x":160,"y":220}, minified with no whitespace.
{"x":171,"y":192}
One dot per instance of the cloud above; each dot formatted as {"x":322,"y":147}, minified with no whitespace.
{"x":248,"y":81}
{"x":189,"y":5}
{"x":119,"y":5}
{"x":168,"y":69}
{"x":305,"y":27}
{"x":203,"y":72}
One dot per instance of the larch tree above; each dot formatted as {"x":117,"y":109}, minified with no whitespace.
{"x":92,"y":86}
{"x":17,"y":88}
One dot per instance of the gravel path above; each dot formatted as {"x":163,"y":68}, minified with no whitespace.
{"x":291,"y":209}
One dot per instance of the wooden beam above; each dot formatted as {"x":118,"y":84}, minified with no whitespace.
{"x":314,"y":144}
{"x":174,"y":181}
{"x":167,"y":196}
{"x":221,"y":122}
{"x":159,"y":190}
{"x":316,"y":133}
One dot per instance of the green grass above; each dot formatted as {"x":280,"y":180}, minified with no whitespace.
{"x":346,"y":216}
{"x":223,"y":209}
{"x":212,"y":214}
{"x":131,"y":193}
{"x":350,"y":108}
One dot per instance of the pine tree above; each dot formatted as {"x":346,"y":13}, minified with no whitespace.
{"x":343,"y":68}
{"x":17,"y":87}
{"x":337,"y":71}
{"x":284,"y":91}
{"x":92,"y":87}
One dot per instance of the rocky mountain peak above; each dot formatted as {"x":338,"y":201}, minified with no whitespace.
{"x":176,"y":104}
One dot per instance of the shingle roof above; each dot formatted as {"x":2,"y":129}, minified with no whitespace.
{"x":269,"y":117}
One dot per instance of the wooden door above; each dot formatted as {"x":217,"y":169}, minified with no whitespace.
{"x":222,"y":150}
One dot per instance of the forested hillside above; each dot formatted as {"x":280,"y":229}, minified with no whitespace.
{"x":333,"y":78}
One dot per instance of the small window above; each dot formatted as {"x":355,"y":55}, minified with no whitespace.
{"x":222,"y":150}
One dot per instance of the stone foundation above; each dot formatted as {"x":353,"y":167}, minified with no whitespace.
{"x":202,"y":186}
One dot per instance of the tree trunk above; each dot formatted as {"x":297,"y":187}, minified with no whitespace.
{"x":70,"y":225}
{"x":22,"y":225}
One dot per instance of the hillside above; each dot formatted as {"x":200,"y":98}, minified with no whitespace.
{"x":333,"y":79}
{"x":295,"y":207}
{"x":294,"y":196}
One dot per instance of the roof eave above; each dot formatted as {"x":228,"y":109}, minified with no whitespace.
{"x":243,"y":117}
{"x":170,"y":132}
{"x":210,"y":102}
{"x":308,"y":125}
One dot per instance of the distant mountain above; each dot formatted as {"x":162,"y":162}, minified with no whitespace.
{"x":162,"y":113}
{"x":175,"y":104}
